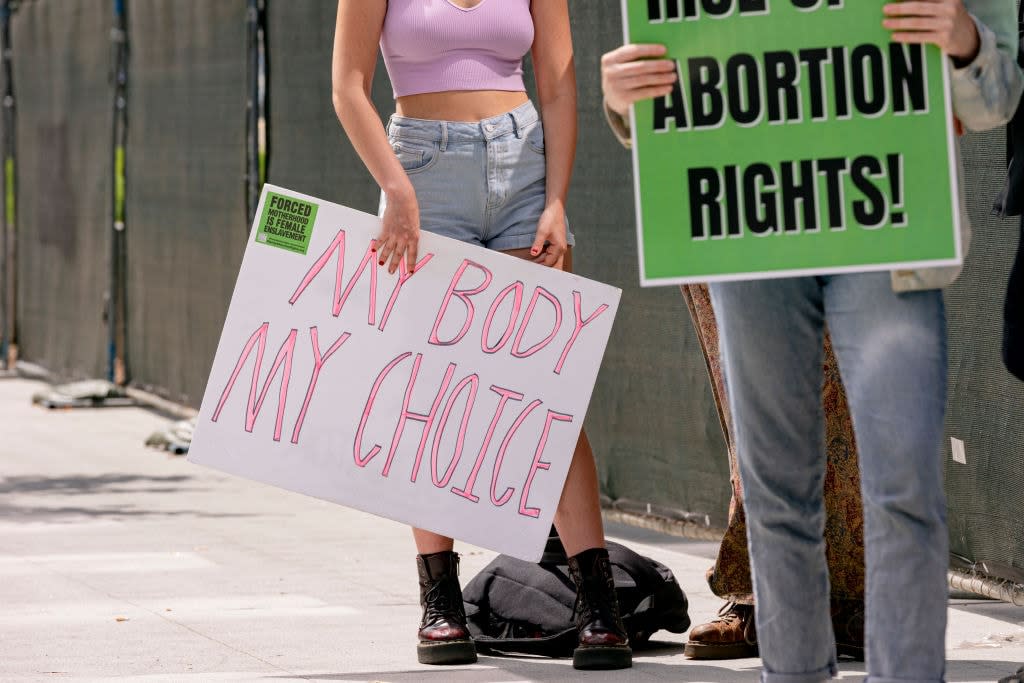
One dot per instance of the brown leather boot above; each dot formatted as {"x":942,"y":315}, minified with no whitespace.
{"x":603,"y":643}
{"x":731,"y":636}
{"x":444,"y":637}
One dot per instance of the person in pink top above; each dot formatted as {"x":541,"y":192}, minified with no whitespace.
{"x":465,"y":156}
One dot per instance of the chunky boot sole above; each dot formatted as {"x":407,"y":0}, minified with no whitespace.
{"x":602,"y":658}
{"x":722,"y":651}
{"x":446,"y":652}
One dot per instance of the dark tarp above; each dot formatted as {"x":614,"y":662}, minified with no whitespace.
{"x":62,"y":64}
{"x":186,"y":223}
{"x":986,"y":409}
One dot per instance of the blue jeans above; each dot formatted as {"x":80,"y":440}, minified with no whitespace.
{"x":891,"y":350}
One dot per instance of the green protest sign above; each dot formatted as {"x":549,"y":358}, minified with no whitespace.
{"x":798,"y":140}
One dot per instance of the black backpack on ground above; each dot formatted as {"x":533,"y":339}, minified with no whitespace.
{"x":521,"y":607}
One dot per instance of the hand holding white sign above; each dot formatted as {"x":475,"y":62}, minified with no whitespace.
{"x":448,"y":396}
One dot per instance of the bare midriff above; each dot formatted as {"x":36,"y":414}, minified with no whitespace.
{"x":459,"y":105}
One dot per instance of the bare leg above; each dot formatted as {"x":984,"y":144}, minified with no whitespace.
{"x":428,"y":542}
{"x":578,"y":517}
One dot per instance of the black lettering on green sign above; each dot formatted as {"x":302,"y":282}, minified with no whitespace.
{"x":753,"y":89}
{"x":676,"y":10}
{"x":797,"y":196}
{"x":286,"y":223}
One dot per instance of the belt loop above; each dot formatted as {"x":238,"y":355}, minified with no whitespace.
{"x":516,"y":127}
{"x":444,"y":136}
{"x":391,"y":121}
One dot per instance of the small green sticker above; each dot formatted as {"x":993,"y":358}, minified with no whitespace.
{"x":287,"y":223}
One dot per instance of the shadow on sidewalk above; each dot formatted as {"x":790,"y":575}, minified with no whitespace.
{"x":79,"y":490}
{"x":975,"y":670}
{"x":993,"y":609}
{"x":92,"y":484}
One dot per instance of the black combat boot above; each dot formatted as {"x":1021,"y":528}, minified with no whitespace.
{"x":444,"y":637}
{"x":603,"y":643}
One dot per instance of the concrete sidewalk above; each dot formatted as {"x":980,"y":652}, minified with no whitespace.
{"x":119,"y":561}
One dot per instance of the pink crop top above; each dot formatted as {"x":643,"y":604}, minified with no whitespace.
{"x":437,"y":46}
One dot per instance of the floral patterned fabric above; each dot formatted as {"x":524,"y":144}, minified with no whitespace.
{"x":729,"y":578}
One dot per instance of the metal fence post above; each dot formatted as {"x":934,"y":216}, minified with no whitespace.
{"x":8,"y":226}
{"x":255,"y":107}
{"x":117,"y":371}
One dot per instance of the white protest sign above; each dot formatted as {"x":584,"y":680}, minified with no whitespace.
{"x":448,"y":398}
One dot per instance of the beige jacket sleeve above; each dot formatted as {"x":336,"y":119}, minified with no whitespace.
{"x":986,"y":91}
{"x":619,"y":126}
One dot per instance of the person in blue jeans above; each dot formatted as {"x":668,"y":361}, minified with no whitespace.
{"x":889,"y":335}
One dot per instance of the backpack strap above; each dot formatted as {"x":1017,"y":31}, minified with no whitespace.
{"x":555,"y":645}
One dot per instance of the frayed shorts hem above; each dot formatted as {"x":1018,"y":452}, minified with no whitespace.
{"x":505,"y":242}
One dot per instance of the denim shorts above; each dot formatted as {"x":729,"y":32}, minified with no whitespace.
{"x":480,"y":182}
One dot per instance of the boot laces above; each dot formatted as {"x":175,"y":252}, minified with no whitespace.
{"x":442,"y":601}
{"x":593,"y":602}
{"x":733,"y":611}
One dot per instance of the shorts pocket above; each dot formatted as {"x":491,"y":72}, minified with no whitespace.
{"x":415,"y":155}
{"x":535,"y":137}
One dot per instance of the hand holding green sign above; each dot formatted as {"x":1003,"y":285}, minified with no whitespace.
{"x":792,"y":137}
{"x":943,"y":23}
